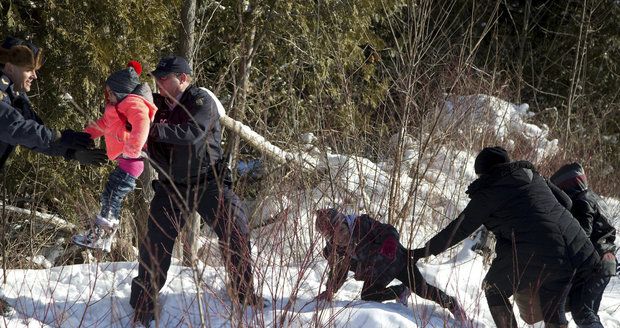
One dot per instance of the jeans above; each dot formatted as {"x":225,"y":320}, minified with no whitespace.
{"x":119,"y":184}
{"x":585,"y":300}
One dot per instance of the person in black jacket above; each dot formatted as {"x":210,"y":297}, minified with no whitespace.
{"x":589,"y":209}
{"x":19,"y":124}
{"x":539,"y":244}
{"x":372,"y":251}
{"x":184,"y":146}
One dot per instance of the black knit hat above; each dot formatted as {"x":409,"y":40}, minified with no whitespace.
{"x":488,"y":158}
{"x":123,"y":82}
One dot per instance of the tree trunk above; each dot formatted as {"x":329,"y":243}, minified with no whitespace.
{"x":186,"y":49}
{"x":186,"y":31}
{"x":241,"y":93}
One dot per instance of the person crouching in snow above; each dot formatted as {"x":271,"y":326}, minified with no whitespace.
{"x":129,"y":111}
{"x":372,"y":251}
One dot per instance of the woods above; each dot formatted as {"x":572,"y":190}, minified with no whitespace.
{"x":353,"y":73}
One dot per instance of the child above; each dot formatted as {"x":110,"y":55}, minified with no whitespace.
{"x":590,"y":210}
{"x":371,"y":250}
{"x":129,"y":111}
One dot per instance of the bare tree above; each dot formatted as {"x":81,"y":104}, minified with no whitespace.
{"x":186,"y":48}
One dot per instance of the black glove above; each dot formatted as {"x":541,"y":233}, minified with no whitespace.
{"x":95,"y":157}
{"x":75,"y":140}
{"x":417,"y":254}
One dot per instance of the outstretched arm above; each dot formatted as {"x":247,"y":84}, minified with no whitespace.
{"x":338,"y":269}
{"x":17,"y":130}
{"x":472,"y":217}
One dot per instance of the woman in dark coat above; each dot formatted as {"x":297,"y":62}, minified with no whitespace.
{"x":539,"y":244}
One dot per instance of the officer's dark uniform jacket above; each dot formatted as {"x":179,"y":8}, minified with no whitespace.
{"x":537,"y":237}
{"x":185,"y":140}
{"x":20,"y":125}
{"x":363,"y":257}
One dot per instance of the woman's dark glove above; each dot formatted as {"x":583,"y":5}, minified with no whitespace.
{"x":95,"y":157}
{"x":74,"y":140}
{"x":417,"y":254}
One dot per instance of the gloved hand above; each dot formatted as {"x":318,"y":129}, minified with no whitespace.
{"x":388,"y":248}
{"x":95,"y":157}
{"x":608,"y":264}
{"x":75,"y":140}
{"x":417,"y":254}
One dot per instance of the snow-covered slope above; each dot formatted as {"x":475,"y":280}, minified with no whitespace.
{"x":97,"y":295}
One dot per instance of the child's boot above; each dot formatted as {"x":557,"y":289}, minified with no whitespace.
{"x":99,"y":236}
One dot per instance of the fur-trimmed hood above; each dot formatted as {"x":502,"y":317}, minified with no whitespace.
{"x":21,"y":53}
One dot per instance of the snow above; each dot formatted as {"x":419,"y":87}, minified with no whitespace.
{"x":97,"y":294}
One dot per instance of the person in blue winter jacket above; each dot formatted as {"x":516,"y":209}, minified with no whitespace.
{"x":20,"y":124}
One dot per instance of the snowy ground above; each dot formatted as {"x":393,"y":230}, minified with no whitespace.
{"x":97,"y":295}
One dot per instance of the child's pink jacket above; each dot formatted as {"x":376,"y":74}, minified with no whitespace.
{"x":139,"y":112}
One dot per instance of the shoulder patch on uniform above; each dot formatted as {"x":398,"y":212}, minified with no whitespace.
{"x":5,"y":80}
{"x":199,"y":101}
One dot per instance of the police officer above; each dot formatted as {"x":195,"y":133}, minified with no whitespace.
{"x":184,"y":146}
{"x":20,"y":125}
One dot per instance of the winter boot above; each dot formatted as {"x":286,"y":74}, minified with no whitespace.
{"x":403,"y":297}
{"x":143,"y":320}
{"x":100,"y":236}
{"x":503,"y":316}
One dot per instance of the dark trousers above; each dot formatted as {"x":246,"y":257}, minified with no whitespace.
{"x":581,"y":288}
{"x":220,"y":208}
{"x":411,"y":277}
{"x":552,"y":294}
{"x":120,"y":183}
{"x":585,"y":299}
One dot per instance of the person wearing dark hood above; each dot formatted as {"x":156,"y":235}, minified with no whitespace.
{"x":372,"y":251}
{"x":20,"y":125}
{"x":539,"y":245}
{"x":590,"y":210}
